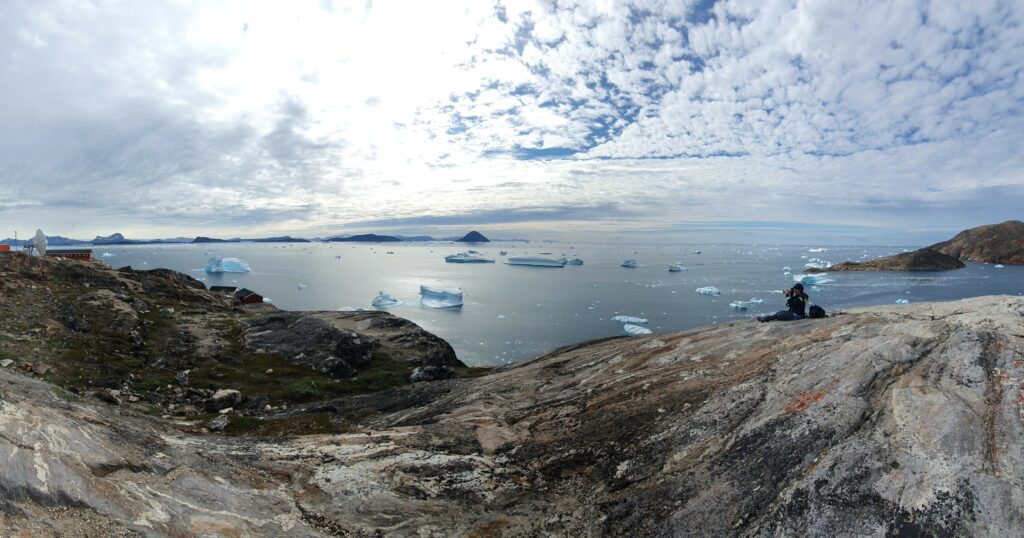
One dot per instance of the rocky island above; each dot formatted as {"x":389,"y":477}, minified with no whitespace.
{"x":897,"y":420}
{"x":924,"y":259}
{"x":994,"y":243}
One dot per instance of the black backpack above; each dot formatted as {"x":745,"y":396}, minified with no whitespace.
{"x":815,"y":311}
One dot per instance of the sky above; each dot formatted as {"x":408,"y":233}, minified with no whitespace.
{"x":859,"y":119}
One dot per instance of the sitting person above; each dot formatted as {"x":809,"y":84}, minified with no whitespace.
{"x":797,"y":304}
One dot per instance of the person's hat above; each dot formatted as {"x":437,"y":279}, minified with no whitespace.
{"x":798,"y":286}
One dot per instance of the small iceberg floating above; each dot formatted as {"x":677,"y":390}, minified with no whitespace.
{"x":471,"y":256}
{"x":300,"y":286}
{"x":217,"y":264}
{"x":629,"y":319}
{"x":998,"y":266}
{"x":708,"y":290}
{"x":111,"y":255}
{"x":440,"y":297}
{"x":630,"y":263}
{"x":902,"y":301}
{"x":535,"y":261}
{"x":817,"y":278}
{"x":577,"y":261}
{"x":383,"y":300}
{"x":817,"y":250}
{"x":740,"y":305}
{"x":756,"y":300}
{"x":503,"y":253}
{"x":635,"y":330}
{"x":676,"y":268}
{"x":696,"y":252}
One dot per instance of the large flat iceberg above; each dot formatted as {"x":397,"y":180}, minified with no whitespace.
{"x":635,"y":330}
{"x":440,"y":297}
{"x":708,"y":290}
{"x":217,"y":264}
{"x":629,"y":319}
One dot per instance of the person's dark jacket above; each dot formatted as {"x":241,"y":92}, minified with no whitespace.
{"x":797,"y":304}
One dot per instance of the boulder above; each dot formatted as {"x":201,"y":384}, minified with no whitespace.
{"x":222,"y":399}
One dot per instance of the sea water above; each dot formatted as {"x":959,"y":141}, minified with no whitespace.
{"x":512,"y":313}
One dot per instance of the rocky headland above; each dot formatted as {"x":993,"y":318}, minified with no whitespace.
{"x":993,"y":243}
{"x":924,"y":259}
{"x":898,"y":420}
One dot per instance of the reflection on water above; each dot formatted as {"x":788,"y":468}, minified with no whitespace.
{"x":511,"y":313}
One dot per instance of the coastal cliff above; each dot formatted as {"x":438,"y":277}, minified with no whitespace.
{"x":899,"y":420}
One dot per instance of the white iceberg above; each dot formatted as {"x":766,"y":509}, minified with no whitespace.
{"x":998,"y":266}
{"x":787,"y":268}
{"x":739,"y":305}
{"x":350,"y":309}
{"x":902,"y":301}
{"x":535,"y":261}
{"x":756,"y":300}
{"x":816,"y":278}
{"x":708,"y":290}
{"x":471,"y":256}
{"x":817,"y":263}
{"x":629,"y":319}
{"x":817,"y":250}
{"x":676,"y":268}
{"x":440,"y":297}
{"x":107,"y":255}
{"x":383,"y":300}
{"x":217,"y":264}
{"x":630,"y":263}
{"x":300,"y":286}
{"x":635,"y":330}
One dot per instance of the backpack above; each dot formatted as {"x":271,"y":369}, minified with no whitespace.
{"x":815,"y":311}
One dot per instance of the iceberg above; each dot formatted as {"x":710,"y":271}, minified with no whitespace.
{"x":300,"y":286}
{"x":817,"y":278}
{"x":383,"y":300}
{"x":629,"y":319}
{"x":471,"y":256}
{"x":902,"y":301}
{"x":350,"y":309}
{"x":998,"y":266}
{"x":111,"y":255}
{"x":635,"y":330}
{"x":503,"y":253}
{"x":787,"y":268}
{"x":630,"y":263}
{"x":217,"y":264}
{"x":440,"y":297}
{"x":575,"y":261}
{"x":535,"y":261}
{"x":676,"y":268}
{"x":708,"y":290}
{"x":817,"y":263}
{"x":756,"y":300}
{"x":817,"y":250}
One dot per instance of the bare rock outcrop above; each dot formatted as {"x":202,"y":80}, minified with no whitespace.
{"x":904,"y":421}
{"x":993,"y":243}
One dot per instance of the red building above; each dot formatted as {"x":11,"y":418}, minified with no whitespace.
{"x":71,"y":253}
{"x":246,"y":296}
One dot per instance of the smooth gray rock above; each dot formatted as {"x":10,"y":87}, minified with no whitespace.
{"x":897,"y":420}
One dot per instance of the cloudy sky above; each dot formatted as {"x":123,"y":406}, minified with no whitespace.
{"x":246,"y":118}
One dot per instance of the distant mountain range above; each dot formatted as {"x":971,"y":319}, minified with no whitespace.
{"x":120,"y":239}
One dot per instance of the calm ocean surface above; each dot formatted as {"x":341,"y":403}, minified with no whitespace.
{"x":513,"y":313}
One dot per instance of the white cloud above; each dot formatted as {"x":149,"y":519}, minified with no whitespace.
{"x":245,"y":115}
